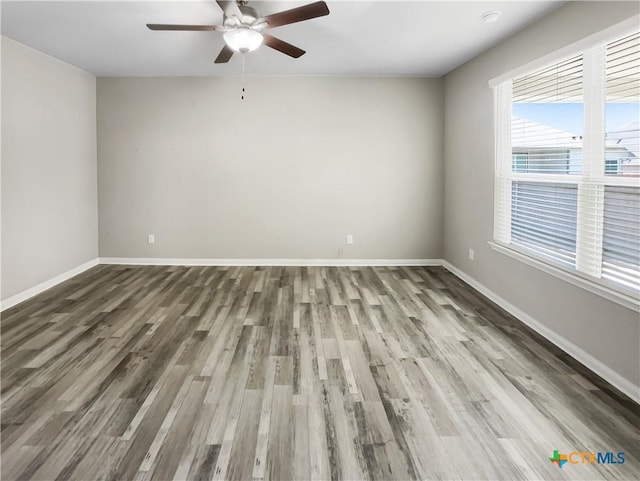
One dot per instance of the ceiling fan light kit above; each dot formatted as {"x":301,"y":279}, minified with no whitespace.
{"x":243,"y":39}
{"x":243,"y":27}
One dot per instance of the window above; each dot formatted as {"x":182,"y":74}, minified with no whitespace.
{"x":567,"y":186}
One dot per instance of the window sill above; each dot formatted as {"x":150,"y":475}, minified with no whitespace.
{"x":627,"y":300}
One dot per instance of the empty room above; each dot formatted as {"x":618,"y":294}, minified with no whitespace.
{"x":309,"y":240}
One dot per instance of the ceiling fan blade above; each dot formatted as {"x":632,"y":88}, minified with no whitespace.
{"x":282,"y":46}
{"x":190,"y":28}
{"x":299,"y":14}
{"x":225,"y":55}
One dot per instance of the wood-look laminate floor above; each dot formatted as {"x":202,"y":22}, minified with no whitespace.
{"x":140,"y":373}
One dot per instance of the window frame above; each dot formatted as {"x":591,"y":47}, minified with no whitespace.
{"x":594,"y":174}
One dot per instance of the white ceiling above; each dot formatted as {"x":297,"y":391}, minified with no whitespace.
{"x":386,"y":38}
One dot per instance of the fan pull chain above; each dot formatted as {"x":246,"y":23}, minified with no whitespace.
{"x":242,"y":83}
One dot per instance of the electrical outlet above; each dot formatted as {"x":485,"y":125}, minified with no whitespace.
{"x":349,"y":239}
{"x":471,"y":254}
{"x":340,"y":253}
{"x":151,"y":239}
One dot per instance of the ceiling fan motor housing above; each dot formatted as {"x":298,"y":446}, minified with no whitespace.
{"x":249,"y":15}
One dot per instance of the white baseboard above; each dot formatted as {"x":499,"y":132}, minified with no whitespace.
{"x":158,"y":261}
{"x":602,"y":370}
{"x":43,"y":286}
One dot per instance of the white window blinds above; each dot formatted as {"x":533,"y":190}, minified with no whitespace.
{"x":567,"y":185}
{"x":621,"y":243}
{"x":544,"y":219}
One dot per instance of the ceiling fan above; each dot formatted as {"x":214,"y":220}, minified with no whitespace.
{"x":244,"y":29}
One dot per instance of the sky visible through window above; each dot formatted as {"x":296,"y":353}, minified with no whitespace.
{"x":620,"y":116}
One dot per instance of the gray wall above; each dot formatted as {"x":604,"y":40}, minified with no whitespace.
{"x":286,"y":173}
{"x":49,"y":185}
{"x":607,"y":331}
